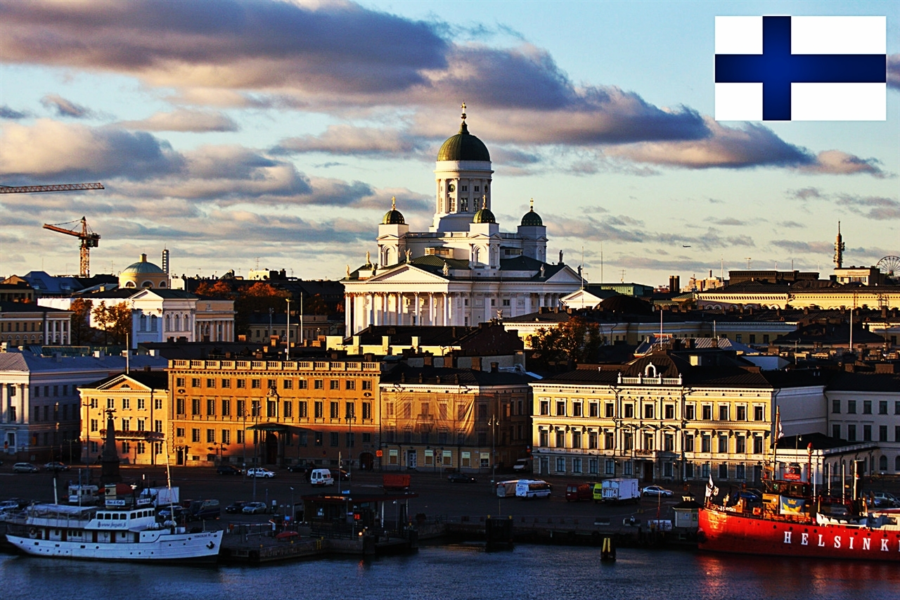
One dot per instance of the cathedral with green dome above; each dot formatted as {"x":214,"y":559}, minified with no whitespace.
{"x":464,"y":270}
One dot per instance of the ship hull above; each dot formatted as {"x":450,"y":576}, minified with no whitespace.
{"x":721,"y":531}
{"x":176,"y":547}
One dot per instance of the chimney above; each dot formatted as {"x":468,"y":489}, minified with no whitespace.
{"x":476,"y":363}
{"x":428,"y":360}
{"x":495,"y":367}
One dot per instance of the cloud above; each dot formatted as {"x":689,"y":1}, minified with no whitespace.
{"x":804,"y":247}
{"x":48,"y":150}
{"x":871,"y":207}
{"x":835,"y":162}
{"x":893,"y":75}
{"x":358,"y":141}
{"x":806,"y":194}
{"x":730,"y":222}
{"x":792,"y":224}
{"x":8,"y":113}
{"x":590,"y":228}
{"x":66,"y":108}
{"x":183,"y":120}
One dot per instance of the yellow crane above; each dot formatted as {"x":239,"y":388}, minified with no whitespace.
{"x":88,"y":238}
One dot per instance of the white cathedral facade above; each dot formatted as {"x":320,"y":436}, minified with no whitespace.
{"x":463,"y":270}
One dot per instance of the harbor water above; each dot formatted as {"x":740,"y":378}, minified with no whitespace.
{"x":463,"y":572}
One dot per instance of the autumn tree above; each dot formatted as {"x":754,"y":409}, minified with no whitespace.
{"x":577,"y":340}
{"x":219,"y":289}
{"x":81,"y":321}
{"x":258,"y":298}
{"x":114,"y":320}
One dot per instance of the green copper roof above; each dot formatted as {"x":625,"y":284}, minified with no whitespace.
{"x":532,"y":219}
{"x":464,"y":146}
{"x":393,"y":216}
{"x":484,"y":216}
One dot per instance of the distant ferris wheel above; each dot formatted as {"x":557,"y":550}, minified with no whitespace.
{"x":889,"y":265}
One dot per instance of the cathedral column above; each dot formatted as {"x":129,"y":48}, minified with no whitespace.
{"x":431,"y":312}
{"x":25,"y":401}
{"x":415,"y":320}
{"x":446,"y":308}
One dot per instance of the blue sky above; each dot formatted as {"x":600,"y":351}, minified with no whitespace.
{"x":275,"y":133}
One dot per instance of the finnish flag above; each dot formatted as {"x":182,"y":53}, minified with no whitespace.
{"x":801,"y":68}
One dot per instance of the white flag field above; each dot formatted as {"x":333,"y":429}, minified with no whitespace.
{"x":801,"y":68}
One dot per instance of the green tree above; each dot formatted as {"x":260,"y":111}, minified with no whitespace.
{"x":577,"y":341}
{"x":81,"y":321}
{"x":114,"y":321}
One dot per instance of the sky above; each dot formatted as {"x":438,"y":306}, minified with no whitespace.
{"x":272,"y":134}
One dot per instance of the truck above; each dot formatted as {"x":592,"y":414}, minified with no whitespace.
{"x":395,"y":482}
{"x":83,"y":495}
{"x":617,"y":491}
{"x":523,"y":465}
{"x":160,"y":496}
{"x":507,"y":489}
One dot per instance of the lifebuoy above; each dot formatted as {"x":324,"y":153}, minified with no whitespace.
{"x":32,"y":533}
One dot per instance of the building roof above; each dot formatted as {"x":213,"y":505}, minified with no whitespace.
{"x":23,"y":307}
{"x":393,"y":216}
{"x":142,"y":266}
{"x":463,"y":146}
{"x":531,"y":218}
{"x":404,"y":374}
{"x":26,"y":361}
{"x":155,"y":380}
{"x":861,"y":381}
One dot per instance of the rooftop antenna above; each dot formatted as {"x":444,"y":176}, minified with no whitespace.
{"x":722,"y":267}
{"x":839,"y":248}
{"x":601,"y":262}
{"x":622,"y":280}
{"x":581,"y":271}
{"x":748,"y":263}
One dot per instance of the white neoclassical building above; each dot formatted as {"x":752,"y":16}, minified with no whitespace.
{"x":463,"y":270}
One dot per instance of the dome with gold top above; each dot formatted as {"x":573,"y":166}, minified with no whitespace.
{"x":463,"y":146}
{"x":393,"y":216}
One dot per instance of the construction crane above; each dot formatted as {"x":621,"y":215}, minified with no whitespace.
{"x":88,"y":238}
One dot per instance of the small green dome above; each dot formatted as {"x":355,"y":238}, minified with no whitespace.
{"x":531,"y":218}
{"x":484,"y":216}
{"x":464,"y":146}
{"x":142,"y":267}
{"x":393,"y":216}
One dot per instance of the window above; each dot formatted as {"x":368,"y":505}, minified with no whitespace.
{"x":195,"y":435}
{"x":648,"y":441}
{"x":301,"y":409}
{"x":350,"y":410}
{"x":210,"y":436}
{"x":255,"y":384}
{"x":757,"y":445}
{"x":560,"y":438}
{"x":592,"y":440}
{"x":741,"y":413}
{"x":545,"y":407}
{"x":648,"y":411}
{"x":867,"y":433}
{"x":319,"y":409}
{"x":609,"y":440}
{"x":576,"y":439}
{"x":334,"y":410}
{"x":897,"y":407}
{"x":670,"y":411}
{"x":210,"y":407}
{"x":835,"y":407}
{"x":195,"y":382}
{"x":740,"y":444}
{"x":210,"y":382}
{"x":851,"y":433}
{"x":560,"y":408}
{"x":610,"y":467}
{"x":350,"y":384}
{"x":705,"y":443}
{"x":110,"y":402}
{"x":723,"y":468}
{"x":319,"y":384}
{"x":689,"y":470}
{"x":867,"y":407}
{"x":179,"y":382}
{"x":226,"y":408}
{"x":366,"y":384}
{"x":723,"y":413}
{"x":195,"y":406}
{"x":689,"y":412}
{"x":334,"y":384}
{"x":334,"y":439}
{"x":319,"y":439}
{"x":740,"y":472}
{"x":723,"y":444}
{"x":669,"y":442}
{"x":543,"y":438}
{"x":226,"y":383}
{"x":610,"y":410}
{"x":882,"y":407}
{"x":629,"y":411}
{"x":628,"y":441}
{"x":882,"y":433}
{"x":560,"y":465}
{"x":594,"y":409}
{"x":241,"y":383}
{"x":851,"y":407}
{"x":142,"y":404}
{"x":836,"y":431}
{"x":287,"y":384}
{"x":179,"y":432}
{"x":706,"y":412}
{"x":758,"y":413}
{"x":689,"y":442}
{"x":576,"y":409}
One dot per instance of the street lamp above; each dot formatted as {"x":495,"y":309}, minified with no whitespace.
{"x":292,"y":505}
{"x":493,"y":424}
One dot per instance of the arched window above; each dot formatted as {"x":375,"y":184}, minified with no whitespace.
{"x":897,"y":463}
{"x":162,"y":284}
{"x":129,"y":284}
{"x":650,"y":370}
{"x":147,"y":284}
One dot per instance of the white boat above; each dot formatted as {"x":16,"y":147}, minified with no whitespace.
{"x":109,"y":534}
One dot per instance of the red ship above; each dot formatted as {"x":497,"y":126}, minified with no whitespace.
{"x":789,"y":522}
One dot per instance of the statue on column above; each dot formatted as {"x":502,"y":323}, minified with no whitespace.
{"x":109,"y":460}
{"x":446,"y":269}
{"x":408,"y":255}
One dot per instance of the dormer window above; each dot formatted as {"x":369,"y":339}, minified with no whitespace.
{"x":650,"y":371}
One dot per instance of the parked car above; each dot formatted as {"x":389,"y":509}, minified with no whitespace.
{"x":460,"y":478}
{"x":254,"y":508}
{"x":345,"y":476}
{"x":260,"y":472}
{"x":885,"y":500}
{"x":56,"y":466}
{"x":227,"y":470}
{"x":236,"y":507}
{"x":655,"y":490}
{"x":299,"y":468}
{"x":24,"y":467}
{"x":173,"y":512}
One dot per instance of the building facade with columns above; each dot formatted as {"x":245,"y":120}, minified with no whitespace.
{"x":463,"y":270}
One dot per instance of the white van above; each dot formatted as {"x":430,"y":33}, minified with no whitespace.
{"x":321,"y":477}
{"x":532,"y":488}
{"x":507,"y":489}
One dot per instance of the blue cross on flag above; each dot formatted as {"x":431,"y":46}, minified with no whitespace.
{"x":801,"y":68}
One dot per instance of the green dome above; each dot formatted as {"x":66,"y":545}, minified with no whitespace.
{"x":393,"y":216}
{"x":484,"y":216}
{"x":464,"y":146}
{"x":142,"y":267}
{"x":532,"y":219}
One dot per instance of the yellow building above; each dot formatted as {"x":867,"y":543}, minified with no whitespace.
{"x":139,"y":402}
{"x":442,"y":418}
{"x":274,"y":412}
{"x":670,"y":417}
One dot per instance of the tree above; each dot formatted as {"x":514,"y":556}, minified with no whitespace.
{"x":115,"y":321}
{"x":81,"y":321}
{"x":576,"y":340}
{"x":258,"y":298}
{"x":219,"y":289}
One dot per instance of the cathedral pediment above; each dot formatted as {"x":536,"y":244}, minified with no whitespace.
{"x":406,"y":274}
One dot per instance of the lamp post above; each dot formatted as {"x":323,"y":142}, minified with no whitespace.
{"x":271,"y":310}
{"x":292,"y":505}
{"x":351,"y":416}
{"x":493,"y":424}
{"x":287,"y":348}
